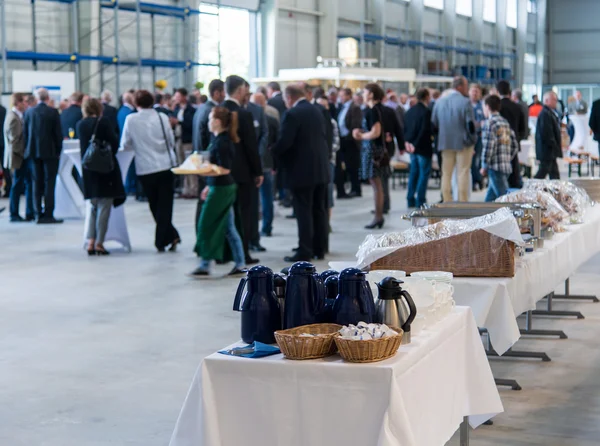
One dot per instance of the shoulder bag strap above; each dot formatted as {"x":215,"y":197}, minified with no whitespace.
{"x":95,"y":130}
{"x":162,"y":126}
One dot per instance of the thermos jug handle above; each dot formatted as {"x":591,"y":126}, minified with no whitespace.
{"x":238,"y":294}
{"x":412,"y":308}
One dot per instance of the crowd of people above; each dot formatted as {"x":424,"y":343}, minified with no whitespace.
{"x":301,"y":146}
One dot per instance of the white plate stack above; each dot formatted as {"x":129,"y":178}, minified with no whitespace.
{"x":435,"y":276}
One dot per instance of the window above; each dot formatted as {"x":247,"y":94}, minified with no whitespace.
{"x":464,"y":7}
{"x":489,"y":11}
{"x":233,"y":35}
{"x":532,"y":6}
{"x":437,"y":4}
{"x":511,"y":13}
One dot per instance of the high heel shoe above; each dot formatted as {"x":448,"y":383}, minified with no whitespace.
{"x":102,"y":252}
{"x":173,"y":246}
{"x":91,"y":252}
{"x":376,"y":224}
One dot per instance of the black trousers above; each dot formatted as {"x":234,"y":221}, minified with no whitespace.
{"x":548,"y":167}
{"x":43,"y":178}
{"x":514,"y":179}
{"x":254,"y":238}
{"x":349,"y":155}
{"x":159,"y":188}
{"x":310,"y":207}
{"x":243,"y":206}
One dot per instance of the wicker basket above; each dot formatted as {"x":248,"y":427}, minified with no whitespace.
{"x":471,"y":254}
{"x":369,"y":351}
{"x":294,"y":346}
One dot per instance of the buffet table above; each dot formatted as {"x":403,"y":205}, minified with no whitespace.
{"x":417,"y":398}
{"x":117,"y":225}
{"x":496,"y":302}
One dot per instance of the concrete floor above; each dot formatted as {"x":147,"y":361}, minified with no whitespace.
{"x":100,"y":351}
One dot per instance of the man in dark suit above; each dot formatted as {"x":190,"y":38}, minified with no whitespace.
{"x":547,"y":138}
{"x":184,"y":112}
{"x":247,"y":169}
{"x":514,"y":115}
{"x":349,"y":117}
{"x":108,"y":111}
{"x":304,"y":156}
{"x":595,"y":120}
{"x":275,"y":98}
{"x":43,"y":143}
{"x":4,"y":168}
{"x":71,"y":115}
{"x":201,"y":135}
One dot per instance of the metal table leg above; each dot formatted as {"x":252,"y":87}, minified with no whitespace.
{"x":520,"y":354}
{"x":464,"y":432}
{"x":529,"y":324}
{"x":569,"y":296}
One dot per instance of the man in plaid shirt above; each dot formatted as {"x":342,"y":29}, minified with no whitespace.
{"x":499,"y":148}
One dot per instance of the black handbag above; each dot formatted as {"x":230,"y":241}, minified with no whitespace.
{"x":98,"y":157}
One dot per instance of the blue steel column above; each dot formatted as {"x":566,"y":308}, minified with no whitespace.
{"x":138,"y":30}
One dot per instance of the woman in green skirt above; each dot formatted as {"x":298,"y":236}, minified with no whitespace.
{"x":217,"y":222}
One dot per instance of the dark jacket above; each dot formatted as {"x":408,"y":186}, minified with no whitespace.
{"x":525,"y":117}
{"x":201,"y":135}
{"x":278,"y":102}
{"x":69,"y":119}
{"x":267,"y":157}
{"x":328,"y":127}
{"x":43,"y":135}
{"x":513,"y":113}
{"x":302,"y":147}
{"x":246,"y":166}
{"x":98,"y":185}
{"x":187,"y":125}
{"x":391,"y":126}
{"x":353,"y":120}
{"x":110,"y":113}
{"x":222,"y":153}
{"x":547,"y":136}
{"x":2,"y":118}
{"x":417,"y":129}
{"x":595,"y":119}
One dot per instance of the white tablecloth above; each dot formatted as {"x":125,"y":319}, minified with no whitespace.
{"x":497,"y":301}
{"x":69,"y":202}
{"x":417,"y":398}
{"x":117,"y":224}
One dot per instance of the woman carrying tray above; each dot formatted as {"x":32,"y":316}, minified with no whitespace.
{"x":217,"y":222}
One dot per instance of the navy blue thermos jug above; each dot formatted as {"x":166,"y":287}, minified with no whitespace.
{"x":258,"y":305}
{"x":354,"y":302}
{"x":304,"y":296}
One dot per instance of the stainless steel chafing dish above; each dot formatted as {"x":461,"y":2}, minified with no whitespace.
{"x":426,"y":216}
{"x":531,"y":221}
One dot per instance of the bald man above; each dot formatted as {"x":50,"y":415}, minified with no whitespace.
{"x":547,"y":138}
{"x":266,"y":189}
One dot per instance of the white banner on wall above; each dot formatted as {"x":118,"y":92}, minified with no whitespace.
{"x":60,"y":84}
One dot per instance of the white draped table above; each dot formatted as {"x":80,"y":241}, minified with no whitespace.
{"x":496,"y":302}
{"x":117,"y":224}
{"x":69,"y":202}
{"x":417,"y":398}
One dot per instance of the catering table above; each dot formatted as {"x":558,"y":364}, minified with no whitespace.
{"x":417,"y":398}
{"x":496,"y":302}
{"x":69,"y":202}
{"x":117,"y":225}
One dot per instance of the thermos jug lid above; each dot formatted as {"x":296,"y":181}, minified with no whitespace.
{"x":352,"y":274}
{"x":278,"y":281}
{"x":302,"y":269}
{"x":327,"y":273}
{"x":259,"y":271}
{"x":389,"y":288}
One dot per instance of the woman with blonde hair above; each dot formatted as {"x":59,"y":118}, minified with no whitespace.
{"x":217,"y":221}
